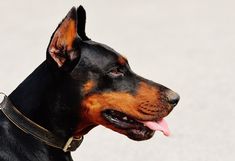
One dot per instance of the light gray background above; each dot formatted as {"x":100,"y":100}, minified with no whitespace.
{"x":187,"y":45}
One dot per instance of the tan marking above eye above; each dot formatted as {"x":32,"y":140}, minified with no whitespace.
{"x":88,"y":86}
{"x":122,"y":60}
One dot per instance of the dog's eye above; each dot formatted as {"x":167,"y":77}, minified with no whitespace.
{"x":115,"y":72}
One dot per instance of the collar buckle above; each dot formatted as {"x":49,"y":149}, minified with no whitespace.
{"x":72,"y":144}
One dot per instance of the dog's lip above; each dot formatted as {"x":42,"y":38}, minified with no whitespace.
{"x":124,"y":121}
{"x":127,"y":125}
{"x":120,"y":119}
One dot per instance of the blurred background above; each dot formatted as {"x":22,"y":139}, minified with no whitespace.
{"x":186,"y":45}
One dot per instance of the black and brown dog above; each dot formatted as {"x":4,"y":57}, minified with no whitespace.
{"x":80,"y":85}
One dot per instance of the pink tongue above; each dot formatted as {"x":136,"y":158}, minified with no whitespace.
{"x":158,"y":126}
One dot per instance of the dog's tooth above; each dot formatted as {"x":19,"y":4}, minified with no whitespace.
{"x":124,"y":118}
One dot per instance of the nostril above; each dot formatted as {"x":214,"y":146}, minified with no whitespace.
{"x":173,"y":98}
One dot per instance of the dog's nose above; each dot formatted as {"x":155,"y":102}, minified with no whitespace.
{"x":172,"y":97}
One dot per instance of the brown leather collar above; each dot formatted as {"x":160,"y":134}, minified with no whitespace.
{"x":40,"y":133}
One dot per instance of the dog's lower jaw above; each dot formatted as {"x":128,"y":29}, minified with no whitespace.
{"x":140,"y":135}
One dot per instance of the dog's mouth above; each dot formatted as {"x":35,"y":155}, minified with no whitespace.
{"x":133,"y":128}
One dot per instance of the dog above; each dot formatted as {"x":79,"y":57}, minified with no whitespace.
{"x":80,"y":85}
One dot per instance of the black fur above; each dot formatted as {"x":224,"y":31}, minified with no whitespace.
{"x":51,"y":96}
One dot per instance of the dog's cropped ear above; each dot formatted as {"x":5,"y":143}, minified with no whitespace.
{"x":81,"y":26}
{"x":61,"y":47}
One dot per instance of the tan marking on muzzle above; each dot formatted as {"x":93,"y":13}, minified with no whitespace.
{"x":147,"y":98}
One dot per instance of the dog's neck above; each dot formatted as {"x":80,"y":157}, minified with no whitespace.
{"x":39,"y":97}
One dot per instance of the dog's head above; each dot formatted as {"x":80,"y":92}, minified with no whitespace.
{"x":104,"y":89}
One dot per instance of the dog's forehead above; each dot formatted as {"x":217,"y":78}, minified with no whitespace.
{"x":101,"y":54}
